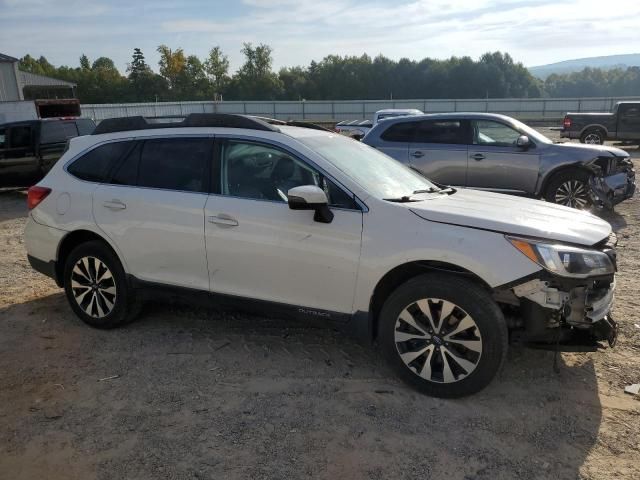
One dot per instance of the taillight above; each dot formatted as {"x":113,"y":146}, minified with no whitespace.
{"x":566,"y":123}
{"x":35,"y":195}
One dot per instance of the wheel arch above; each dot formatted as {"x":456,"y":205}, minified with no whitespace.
{"x":560,"y":169}
{"x":594,"y":126}
{"x":402,"y":273}
{"x":71,"y":241}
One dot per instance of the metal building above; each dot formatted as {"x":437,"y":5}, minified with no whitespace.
{"x":16,"y":85}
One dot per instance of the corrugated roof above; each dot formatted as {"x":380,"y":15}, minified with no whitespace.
{"x":31,"y":79}
{"x":7,"y":58}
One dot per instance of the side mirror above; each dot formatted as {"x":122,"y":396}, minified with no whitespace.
{"x":523,"y":142}
{"x":310,"y":197}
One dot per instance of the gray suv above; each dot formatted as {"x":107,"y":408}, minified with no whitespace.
{"x":498,"y":153}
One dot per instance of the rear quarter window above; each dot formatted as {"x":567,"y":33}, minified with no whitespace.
{"x":94,"y":166}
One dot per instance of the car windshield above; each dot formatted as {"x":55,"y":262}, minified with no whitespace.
{"x":378,"y":174}
{"x":530,"y":132}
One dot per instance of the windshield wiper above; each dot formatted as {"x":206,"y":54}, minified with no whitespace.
{"x":403,"y":199}
{"x":426,"y":190}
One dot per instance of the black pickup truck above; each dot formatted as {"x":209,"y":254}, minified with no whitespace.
{"x":31,"y":147}
{"x":622,"y":124}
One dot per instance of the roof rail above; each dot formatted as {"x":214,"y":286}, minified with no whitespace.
{"x":220,"y":120}
{"x":294,"y":123}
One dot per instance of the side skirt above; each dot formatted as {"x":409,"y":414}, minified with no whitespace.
{"x":356,"y":325}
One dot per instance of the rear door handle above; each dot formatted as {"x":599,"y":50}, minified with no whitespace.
{"x":114,"y":205}
{"x":223,"y":219}
{"x":417,"y":154}
{"x":478,"y":157}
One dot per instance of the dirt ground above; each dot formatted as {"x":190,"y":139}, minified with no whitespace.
{"x":186,"y":393}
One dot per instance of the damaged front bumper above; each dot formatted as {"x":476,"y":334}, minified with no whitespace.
{"x":611,"y":189}
{"x":568,"y":315}
{"x":546,"y":310}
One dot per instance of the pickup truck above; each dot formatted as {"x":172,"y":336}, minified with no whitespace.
{"x":31,"y":147}
{"x":621,"y":124}
{"x":357,"y":129}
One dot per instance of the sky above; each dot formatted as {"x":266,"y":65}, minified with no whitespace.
{"x":534,"y":32}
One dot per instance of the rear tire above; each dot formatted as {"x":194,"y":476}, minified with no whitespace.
{"x":593,"y":136}
{"x":96,"y":287}
{"x":569,"y":188}
{"x":468,"y":343}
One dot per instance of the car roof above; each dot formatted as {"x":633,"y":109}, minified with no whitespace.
{"x":290,"y":131}
{"x":445,"y":116}
{"x":398,"y":110}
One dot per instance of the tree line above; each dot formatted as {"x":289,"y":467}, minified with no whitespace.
{"x":187,"y":77}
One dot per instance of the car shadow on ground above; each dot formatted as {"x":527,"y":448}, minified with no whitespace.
{"x":13,"y":204}
{"x":189,"y":392}
{"x":617,"y":221}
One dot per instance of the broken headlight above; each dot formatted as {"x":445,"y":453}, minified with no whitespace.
{"x":564,"y":260}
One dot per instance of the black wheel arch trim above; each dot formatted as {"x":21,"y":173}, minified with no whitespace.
{"x":45,"y":268}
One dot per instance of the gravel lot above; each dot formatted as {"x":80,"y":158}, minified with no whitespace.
{"x":189,"y":393}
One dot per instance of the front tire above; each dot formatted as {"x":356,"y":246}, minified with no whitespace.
{"x":96,"y":287}
{"x":569,"y":188}
{"x":443,"y":335}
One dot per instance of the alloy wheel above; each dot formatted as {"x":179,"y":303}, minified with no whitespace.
{"x":593,"y":139}
{"x":572,"y":193}
{"x":93,"y":287}
{"x":438,"y":340}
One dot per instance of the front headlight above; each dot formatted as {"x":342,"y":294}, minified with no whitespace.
{"x":564,"y":260}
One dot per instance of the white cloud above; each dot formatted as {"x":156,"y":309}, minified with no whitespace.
{"x":533,"y":31}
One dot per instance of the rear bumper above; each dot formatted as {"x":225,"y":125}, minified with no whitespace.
{"x":42,"y":244}
{"x":568,"y":134}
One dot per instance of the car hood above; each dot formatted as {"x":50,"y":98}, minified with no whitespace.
{"x":512,"y":215}
{"x":597,"y":150}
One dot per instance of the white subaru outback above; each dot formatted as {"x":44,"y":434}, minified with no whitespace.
{"x":303,"y":221}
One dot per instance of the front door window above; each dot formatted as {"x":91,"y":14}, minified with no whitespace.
{"x":494,"y":134}
{"x":262,"y":172}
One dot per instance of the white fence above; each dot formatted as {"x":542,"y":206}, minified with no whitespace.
{"x":551,"y":109}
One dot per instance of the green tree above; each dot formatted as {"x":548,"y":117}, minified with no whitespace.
{"x":145,"y":84}
{"x":255,"y":80}
{"x":216,"y":67}
{"x":84,"y":62}
{"x":172,"y":65}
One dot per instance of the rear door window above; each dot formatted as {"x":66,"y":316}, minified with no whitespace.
{"x":95,"y":165}
{"x":440,"y":131}
{"x":632,"y":111}
{"x":20,"y":136}
{"x":175,"y":164}
{"x":399,"y":132}
{"x":127,"y":171}
{"x":57,"y":131}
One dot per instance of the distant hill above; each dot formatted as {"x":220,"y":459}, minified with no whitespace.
{"x":569,"y":66}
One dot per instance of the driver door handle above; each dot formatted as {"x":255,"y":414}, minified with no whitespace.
{"x":114,"y":205}
{"x":223,"y":219}
{"x":478,"y":157}
{"x":417,"y":154}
